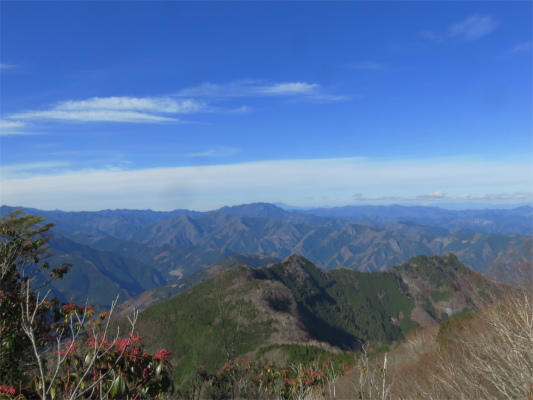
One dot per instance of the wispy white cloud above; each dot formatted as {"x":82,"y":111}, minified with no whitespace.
{"x":212,"y":186}
{"x":6,"y":66}
{"x":147,"y":104}
{"x":470,"y":29}
{"x":441,"y":196}
{"x":283,"y":89}
{"x":240,"y":110}
{"x":117,"y":109}
{"x":255,"y":88}
{"x":213,"y":90}
{"x":12,"y":128}
{"x":474,"y":28}
{"x":525,"y":196}
{"x":521,"y":48}
{"x":94,"y":116}
{"x":33,"y":166}
{"x":432,"y":36}
{"x":163,"y":108}
{"x":360,"y":197}
{"x":11,"y":124}
{"x":432,"y":195}
{"x":28,"y":169}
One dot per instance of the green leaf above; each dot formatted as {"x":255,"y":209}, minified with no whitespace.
{"x":122,"y":383}
{"x":118,"y":387}
{"x":114,"y":389}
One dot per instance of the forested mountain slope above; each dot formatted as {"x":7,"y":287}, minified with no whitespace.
{"x":296,"y":302}
{"x":158,"y":294}
{"x":98,"y":276}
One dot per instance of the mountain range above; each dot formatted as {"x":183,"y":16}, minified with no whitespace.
{"x":130,"y":251}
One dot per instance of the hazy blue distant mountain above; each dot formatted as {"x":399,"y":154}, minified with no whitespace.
{"x":481,"y":206}
{"x":367,"y":247}
{"x":267,"y":210}
{"x":125,"y":223}
{"x":517,"y":220}
{"x":117,"y":223}
{"x":98,"y":276}
{"x":290,"y":208}
{"x":173,"y":245}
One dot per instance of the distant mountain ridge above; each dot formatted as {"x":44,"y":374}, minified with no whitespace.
{"x":116,"y":223}
{"x":366,"y":247}
{"x":176,"y":244}
{"x":508,"y":221}
{"x":515,"y":220}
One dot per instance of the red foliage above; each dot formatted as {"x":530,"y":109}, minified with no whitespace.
{"x":162,"y":354}
{"x":7,"y":390}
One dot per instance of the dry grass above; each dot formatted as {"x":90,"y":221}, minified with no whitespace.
{"x":487,"y":356}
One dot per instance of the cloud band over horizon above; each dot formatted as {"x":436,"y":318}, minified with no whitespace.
{"x":306,"y":182}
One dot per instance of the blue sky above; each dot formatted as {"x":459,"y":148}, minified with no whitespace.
{"x":198,"y":105}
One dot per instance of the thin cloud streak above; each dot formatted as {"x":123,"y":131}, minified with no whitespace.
{"x":11,"y":124}
{"x":17,"y":171}
{"x":474,"y":28}
{"x":94,"y":116}
{"x":147,"y":104}
{"x":469,"y":30}
{"x":12,"y":128}
{"x":116,"y":109}
{"x":288,"y":88}
{"x":432,"y":196}
{"x":207,"y":187}
{"x":521,"y":48}
{"x":256,"y":88}
{"x":33,"y":166}
{"x":437,"y":197}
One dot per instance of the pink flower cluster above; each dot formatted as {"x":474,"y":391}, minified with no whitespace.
{"x":122,"y":344}
{"x":162,"y":354}
{"x":7,"y":390}
{"x":70,"y":346}
{"x":95,"y":342}
{"x":72,"y":308}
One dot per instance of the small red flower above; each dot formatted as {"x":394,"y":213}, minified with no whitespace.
{"x":162,"y":354}
{"x":7,"y":390}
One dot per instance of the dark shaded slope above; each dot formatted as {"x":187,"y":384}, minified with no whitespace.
{"x":99,"y":276}
{"x":317,"y":309}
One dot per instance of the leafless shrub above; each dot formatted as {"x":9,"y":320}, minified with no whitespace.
{"x":490,"y":357}
{"x":370,"y":378}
